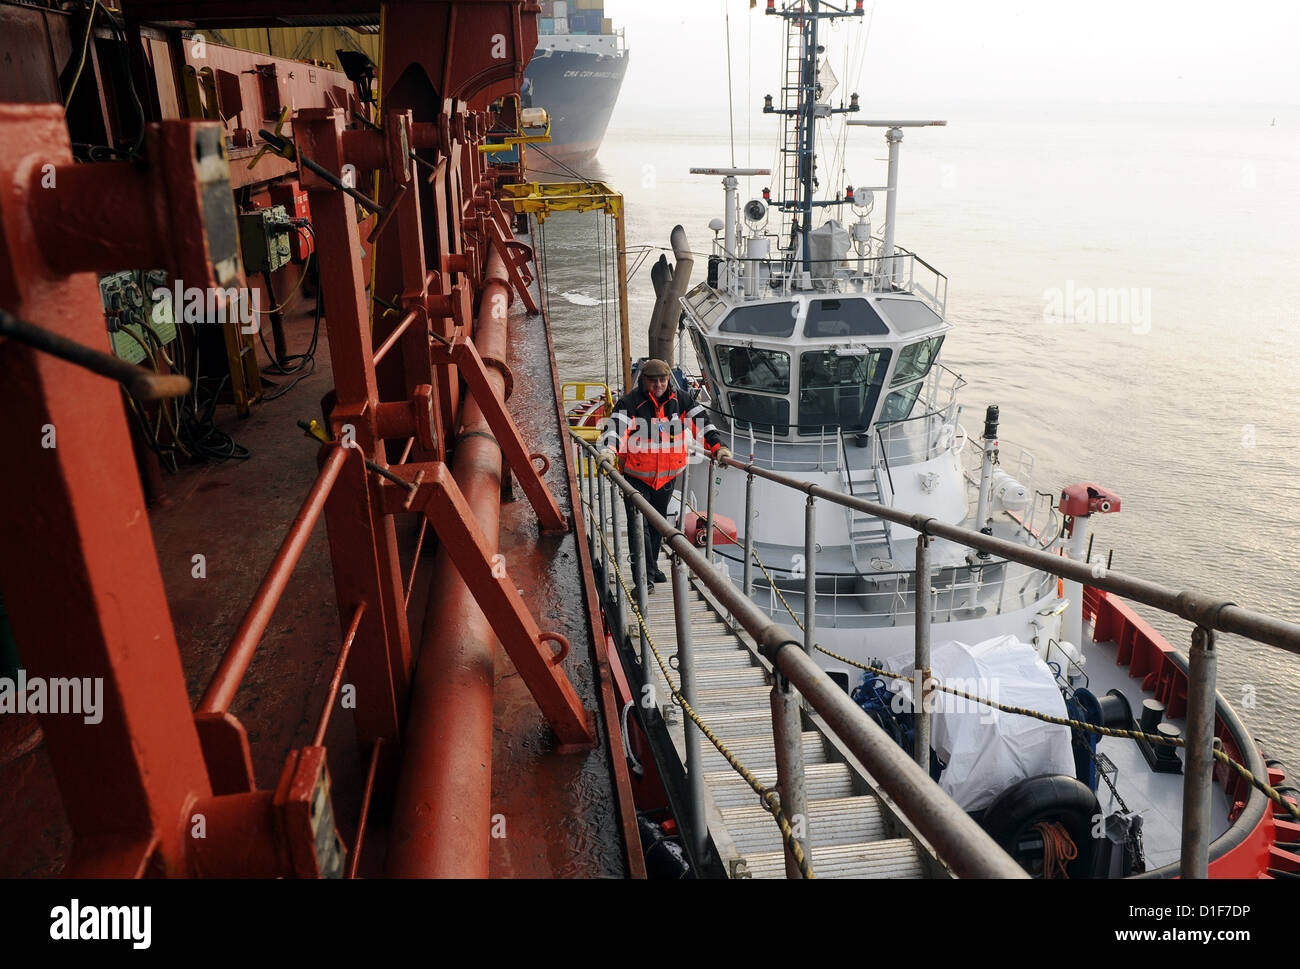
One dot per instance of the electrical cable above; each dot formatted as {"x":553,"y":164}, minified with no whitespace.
{"x":293,"y":293}
{"x":85,"y":48}
{"x":170,"y":408}
{"x":197,"y":431}
{"x":124,"y":57}
{"x":306,"y":361}
{"x":307,"y":367}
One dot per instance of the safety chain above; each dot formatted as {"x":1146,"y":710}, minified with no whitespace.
{"x":1240,"y":769}
{"x":769,"y":798}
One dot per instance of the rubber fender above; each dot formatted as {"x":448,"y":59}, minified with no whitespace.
{"x":1048,"y":797}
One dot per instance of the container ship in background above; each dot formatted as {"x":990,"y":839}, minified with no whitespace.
{"x":576,"y":74}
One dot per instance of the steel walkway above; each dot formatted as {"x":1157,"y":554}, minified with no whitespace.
{"x":852,"y":834}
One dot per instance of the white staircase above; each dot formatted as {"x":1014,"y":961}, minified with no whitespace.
{"x":869,"y":537}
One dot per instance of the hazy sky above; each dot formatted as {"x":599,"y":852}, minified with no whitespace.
{"x":934,"y":52}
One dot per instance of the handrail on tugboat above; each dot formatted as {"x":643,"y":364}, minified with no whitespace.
{"x":960,"y":842}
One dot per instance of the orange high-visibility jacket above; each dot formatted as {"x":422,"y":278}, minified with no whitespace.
{"x":651,"y":436}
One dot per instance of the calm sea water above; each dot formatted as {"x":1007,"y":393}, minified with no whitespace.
{"x":1178,"y":388}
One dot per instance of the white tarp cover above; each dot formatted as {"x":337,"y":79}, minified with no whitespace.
{"x":828,"y":244}
{"x":987,"y":750}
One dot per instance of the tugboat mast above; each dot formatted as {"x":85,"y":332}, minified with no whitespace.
{"x":799,"y":104}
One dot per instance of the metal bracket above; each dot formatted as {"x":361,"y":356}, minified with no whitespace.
{"x":515,"y":255}
{"x":462,"y":353}
{"x":436,"y":493}
{"x":738,"y":868}
{"x":304,"y":812}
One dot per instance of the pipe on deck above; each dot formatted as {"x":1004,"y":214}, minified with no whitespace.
{"x":670,"y":286}
{"x":442,"y":809}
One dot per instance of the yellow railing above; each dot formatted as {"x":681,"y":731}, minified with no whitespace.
{"x":581,"y":391}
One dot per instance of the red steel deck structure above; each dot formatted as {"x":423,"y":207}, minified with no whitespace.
{"x":419,"y":688}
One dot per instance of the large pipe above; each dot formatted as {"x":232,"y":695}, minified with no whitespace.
{"x":663,"y":325}
{"x":443,"y":805}
{"x":661,"y":277}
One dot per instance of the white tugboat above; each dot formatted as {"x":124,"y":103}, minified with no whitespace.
{"x":820,"y":346}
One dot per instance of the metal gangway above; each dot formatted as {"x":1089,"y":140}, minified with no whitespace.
{"x":847,"y":800}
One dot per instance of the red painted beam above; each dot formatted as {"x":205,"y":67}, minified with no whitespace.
{"x":239,"y":656}
{"x":78,"y":564}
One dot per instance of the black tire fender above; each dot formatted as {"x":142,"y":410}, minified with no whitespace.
{"x":1048,"y":797}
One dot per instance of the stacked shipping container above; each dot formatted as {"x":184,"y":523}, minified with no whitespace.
{"x":574,"y":17}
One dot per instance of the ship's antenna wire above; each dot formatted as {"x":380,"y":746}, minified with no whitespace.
{"x":731,"y":111}
{"x":841,"y":136}
{"x":749,"y":103}
{"x":861,"y":39}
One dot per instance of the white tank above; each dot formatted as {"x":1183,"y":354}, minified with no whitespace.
{"x":1007,"y":493}
{"x":756,"y":253}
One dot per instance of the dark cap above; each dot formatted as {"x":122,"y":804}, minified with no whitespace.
{"x":655,"y":368}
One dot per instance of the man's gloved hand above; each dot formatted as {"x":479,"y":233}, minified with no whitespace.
{"x":722,"y":452}
{"x":606,"y":458}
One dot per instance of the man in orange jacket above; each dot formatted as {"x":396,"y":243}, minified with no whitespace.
{"x":649,"y":430}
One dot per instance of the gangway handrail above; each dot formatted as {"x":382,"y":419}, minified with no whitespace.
{"x":962,"y":845}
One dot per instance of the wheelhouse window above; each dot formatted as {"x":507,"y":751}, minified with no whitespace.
{"x":703,"y":359}
{"x":914,"y":362}
{"x":762,"y":319}
{"x":839,"y":389}
{"x":706,"y":304}
{"x":899,"y":403}
{"x":764,"y":415}
{"x":755,"y":369}
{"x":843,"y":317}
{"x":909,"y":315}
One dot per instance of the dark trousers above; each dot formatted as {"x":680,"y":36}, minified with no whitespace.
{"x":653,"y":540}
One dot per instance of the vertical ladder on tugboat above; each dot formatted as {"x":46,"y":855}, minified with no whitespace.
{"x":790,"y":124}
{"x":866,"y":530}
{"x":852,"y":834}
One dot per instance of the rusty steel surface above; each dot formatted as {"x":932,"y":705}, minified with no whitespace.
{"x":124,"y":800}
{"x":125,"y":781}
